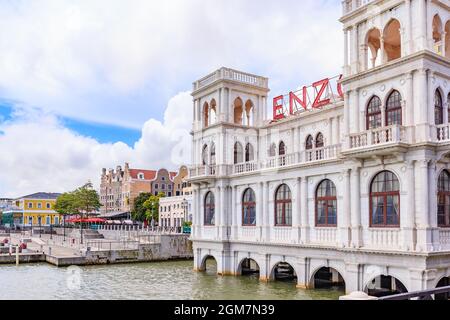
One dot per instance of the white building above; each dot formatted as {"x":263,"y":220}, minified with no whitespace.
{"x":357,"y":190}
{"x":174,"y":211}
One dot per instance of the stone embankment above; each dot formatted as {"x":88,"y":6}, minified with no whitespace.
{"x":67,"y":251}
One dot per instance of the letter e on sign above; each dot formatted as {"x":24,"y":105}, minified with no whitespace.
{"x":277,"y":107}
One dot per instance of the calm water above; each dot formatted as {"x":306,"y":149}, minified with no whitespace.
{"x":164,"y":281}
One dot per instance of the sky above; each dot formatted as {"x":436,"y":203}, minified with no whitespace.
{"x":91,"y":84}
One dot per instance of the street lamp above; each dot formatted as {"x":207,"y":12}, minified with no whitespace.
{"x":64,"y":227}
{"x":40,"y":229}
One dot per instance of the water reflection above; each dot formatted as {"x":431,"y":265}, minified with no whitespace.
{"x":167,"y":280}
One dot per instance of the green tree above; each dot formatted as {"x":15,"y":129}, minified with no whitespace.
{"x":65,"y":204}
{"x":86,"y":200}
{"x":139,"y":211}
{"x":152,"y":207}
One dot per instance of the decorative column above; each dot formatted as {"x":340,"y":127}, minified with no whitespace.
{"x":410,"y":214}
{"x":423,"y":227}
{"x":409,"y":40}
{"x":354,"y":50}
{"x":260,"y":211}
{"x":344,"y":216}
{"x":421,"y":107}
{"x":233,"y":214}
{"x":409,"y":98}
{"x":356,"y":207}
{"x":356,"y":112}
{"x":432,"y":207}
{"x":304,"y":213}
{"x":346,"y":64}
{"x":330,"y":140}
{"x":266,"y":212}
{"x":424,"y":24}
{"x":382,"y":52}
{"x":347,"y":119}
{"x":296,"y":213}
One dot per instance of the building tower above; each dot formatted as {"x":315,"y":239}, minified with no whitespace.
{"x":396,"y":99}
{"x":229,"y":107}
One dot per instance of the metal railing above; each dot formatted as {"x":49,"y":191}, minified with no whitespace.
{"x":420,"y":295}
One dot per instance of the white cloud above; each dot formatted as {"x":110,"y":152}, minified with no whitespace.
{"x":90,"y":59}
{"x":39,"y":154}
{"x":118,"y":62}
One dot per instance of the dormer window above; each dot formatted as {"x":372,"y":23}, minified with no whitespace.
{"x":141,"y":176}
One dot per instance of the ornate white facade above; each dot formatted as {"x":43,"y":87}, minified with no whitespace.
{"x":355,"y":185}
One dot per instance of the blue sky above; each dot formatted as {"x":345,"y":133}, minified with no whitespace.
{"x":86,"y":88}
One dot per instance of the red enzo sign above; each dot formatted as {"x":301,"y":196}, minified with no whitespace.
{"x":316,"y":96}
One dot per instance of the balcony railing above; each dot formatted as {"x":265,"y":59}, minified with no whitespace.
{"x":443,"y":133}
{"x":384,"y":238}
{"x":297,"y":158}
{"x":324,"y":153}
{"x":326,"y":236}
{"x":247,"y":167}
{"x":203,"y":171}
{"x":234,"y":75}
{"x":444,"y":239}
{"x":379,"y":136}
{"x":351,"y":5}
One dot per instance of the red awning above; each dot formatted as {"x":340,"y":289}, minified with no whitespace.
{"x":91,"y":220}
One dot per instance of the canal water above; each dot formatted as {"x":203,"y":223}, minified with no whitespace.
{"x":161,"y":281}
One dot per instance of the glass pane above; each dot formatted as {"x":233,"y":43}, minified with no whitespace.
{"x":332,"y":212}
{"x":288,"y":214}
{"x":392,"y":210}
{"x":377,"y":211}
{"x":321,"y":212}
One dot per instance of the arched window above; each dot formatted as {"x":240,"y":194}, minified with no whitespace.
{"x":385,"y":200}
{"x":210,"y":209}
{"x":249,"y":153}
{"x":444,"y":200}
{"x":373,"y":48}
{"x":437,"y":35}
{"x":283,"y":206}
{"x":438,"y":108}
{"x":447,"y":40}
{"x":213,"y":154}
{"x":392,"y":41}
{"x":309,"y":142}
{"x":394,"y":109}
{"x":326,"y":204}
{"x":206,"y":115}
{"x":213,"y":112}
{"x":249,"y":113}
{"x":282,"y":149}
{"x":205,"y":155}
{"x":238,"y":153}
{"x":238,"y":111}
{"x":249,"y":208}
{"x":273,"y":150}
{"x":373,"y":114}
{"x":448,"y":107}
{"x":319,"y":141}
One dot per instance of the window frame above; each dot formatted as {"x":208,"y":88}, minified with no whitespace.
{"x":385,"y":196}
{"x":327,"y":200}
{"x":446,"y":196}
{"x":211,"y":206}
{"x":376,"y":114}
{"x":439,"y":108}
{"x":283,"y":203}
{"x":395,"y":108}
{"x":246,"y":205}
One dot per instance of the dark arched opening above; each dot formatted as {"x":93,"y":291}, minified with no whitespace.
{"x":445,"y":282}
{"x":383,"y":286}
{"x":249,"y":267}
{"x":284,"y":272}
{"x":328,"y":278}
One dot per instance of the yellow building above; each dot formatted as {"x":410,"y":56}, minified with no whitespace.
{"x":38,"y":209}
